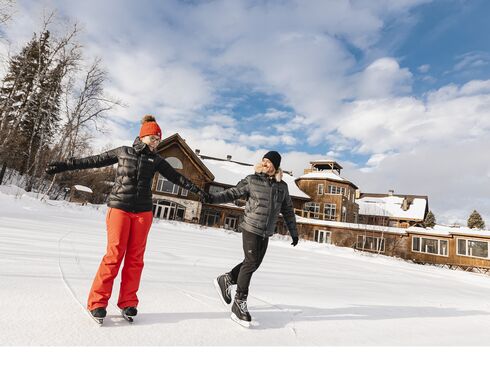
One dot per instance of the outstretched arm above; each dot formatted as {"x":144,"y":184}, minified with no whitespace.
{"x":101,"y":160}
{"x":231,"y":194}
{"x":166,"y":170}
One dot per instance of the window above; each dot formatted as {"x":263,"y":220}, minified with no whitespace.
{"x":472,"y":248}
{"x":430,"y":246}
{"x":332,"y":189}
{"x":320,"y":189}
{"x":371,"y":243}
{"x":323,"y":236}
{"x":165,"y":186}
{"x":184,"y":192}
{"x":329,"y":211}
{"x":175,"y":163}
{"x":462,"y":247}
{"x":478,"y":248}
{"x":230,"y":223}
{"x":314,"y":208}
{"x":168,"y":210}
{"x":416,"y":244}
{"x":443,"y":247}
{"x":210,"y":217}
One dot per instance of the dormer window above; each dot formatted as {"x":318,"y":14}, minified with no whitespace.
{"x":332,"y":189}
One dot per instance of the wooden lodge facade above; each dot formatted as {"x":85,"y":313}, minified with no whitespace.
{"x":332,"y":197}
{"x":395,"y":210}
{"x":328,"y":207}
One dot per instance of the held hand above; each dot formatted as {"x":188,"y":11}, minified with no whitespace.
{"x":295,"y":241}
{"x":56,"y":167}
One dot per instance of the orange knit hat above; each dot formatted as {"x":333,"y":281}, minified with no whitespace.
{"x":149,"y":126}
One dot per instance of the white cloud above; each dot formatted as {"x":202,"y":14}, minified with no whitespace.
{"x":452,"y":174}
{"x":433,"y":147}
{"x":424,"y":68}
{"x":271,"y":114}
{"x":222,"y":119}
{"x":472,"y":60}
{"x":383,"y":78}
{"x":178,"y":60}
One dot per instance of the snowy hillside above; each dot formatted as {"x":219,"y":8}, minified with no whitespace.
{"x":308,"y":295}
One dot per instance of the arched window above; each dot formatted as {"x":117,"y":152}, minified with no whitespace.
{"x":175,"y":163}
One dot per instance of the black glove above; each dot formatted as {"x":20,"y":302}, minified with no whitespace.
{"x":295,"y":241}
{"x":55,"y":167}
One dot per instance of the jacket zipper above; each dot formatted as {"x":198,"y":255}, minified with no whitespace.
{"x":269,"y":211}
{"x":138,"y":167}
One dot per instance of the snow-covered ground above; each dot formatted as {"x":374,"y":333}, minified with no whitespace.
{"x":309,"y":295}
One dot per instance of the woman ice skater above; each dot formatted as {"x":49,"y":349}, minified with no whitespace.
{"x":129,"y":215}
{"x":267,"y":196}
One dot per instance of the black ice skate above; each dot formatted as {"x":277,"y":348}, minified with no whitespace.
{"x":239,"y":310}
{"x":223,"y":285}
{"x":98,"y":314}
{"x":128,"y":313}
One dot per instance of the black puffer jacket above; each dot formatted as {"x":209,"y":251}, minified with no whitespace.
{"x":266,"y":198}
{"x":134,"y":174}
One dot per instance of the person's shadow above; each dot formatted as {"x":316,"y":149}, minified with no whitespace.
{"x":279,"y":316}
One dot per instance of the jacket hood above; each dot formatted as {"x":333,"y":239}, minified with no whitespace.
{"x":261,"y":170}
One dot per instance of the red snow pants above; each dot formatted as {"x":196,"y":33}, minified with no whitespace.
{"x":126,"y":239}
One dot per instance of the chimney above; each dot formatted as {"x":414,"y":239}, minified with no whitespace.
{"x":405,"y":205}
{"x":198,"y":151}
{"x":391,"y":192}
{"x":228,"y":157}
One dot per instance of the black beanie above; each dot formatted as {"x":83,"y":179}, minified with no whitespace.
{"x":274,"y":157}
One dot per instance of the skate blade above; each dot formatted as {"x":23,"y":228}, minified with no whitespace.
{"x":245,"y":324}
{"x":128,"y":318}
{"x":99,"y":321}
{"x":218,"y":289}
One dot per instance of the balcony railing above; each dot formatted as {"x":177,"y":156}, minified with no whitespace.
{"x":314,"y":215}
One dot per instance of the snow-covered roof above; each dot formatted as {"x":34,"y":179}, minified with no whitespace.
{"x":230,"y":173}
{"x":82,"y":188}
{"x":328,"y":175}
{"x":448,"y":230}
{"x":391,"y":206}
{"x":437,"y":230}
{"x":346,"y":225}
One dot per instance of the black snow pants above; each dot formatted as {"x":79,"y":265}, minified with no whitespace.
{"x":254,"y":248}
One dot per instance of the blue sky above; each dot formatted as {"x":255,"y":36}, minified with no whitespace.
{"x":397,"y":91}
{"x":445,"y":34}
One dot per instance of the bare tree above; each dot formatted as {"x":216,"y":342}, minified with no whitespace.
{"x":55,"y":61}
{"x":84,"y":106}
{"x":395,"y":245}
{"x":6,"y":10}
{"x":62,"y":58}
{"x":56,"y":108}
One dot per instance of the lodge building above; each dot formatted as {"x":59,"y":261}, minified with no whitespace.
{"x":329,"y":209}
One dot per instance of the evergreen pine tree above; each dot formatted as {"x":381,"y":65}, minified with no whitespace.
{"x":430,"y":220}
{"x":17,"y":99}
{"x":29,"y":103}
{"x":475,"y":221}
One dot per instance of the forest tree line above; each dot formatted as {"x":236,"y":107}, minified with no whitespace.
{"x":52,"y":101}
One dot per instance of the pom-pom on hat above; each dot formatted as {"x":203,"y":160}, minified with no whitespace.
{"x":149,"y":126}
